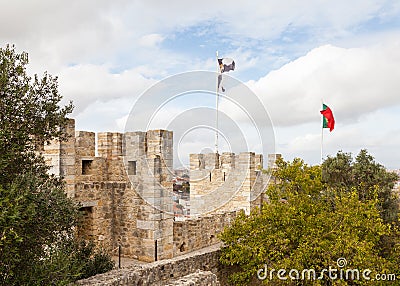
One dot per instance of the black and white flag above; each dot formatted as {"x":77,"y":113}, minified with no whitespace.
{"x":225,"y":65}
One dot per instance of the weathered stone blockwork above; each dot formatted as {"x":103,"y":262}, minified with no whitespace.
{"x":199,"y":278}
{"x":160,"y":272}
{"x":114,"y":211}
{"x":226,"y":182}
{"x":60,"y":156}
{"x":200,"y":267}
{"x":193,"y":234}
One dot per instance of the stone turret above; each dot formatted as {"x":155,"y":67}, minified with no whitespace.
{"x":225,"y":182}
{"x":148,"y":159}
{"x":124,"y":191}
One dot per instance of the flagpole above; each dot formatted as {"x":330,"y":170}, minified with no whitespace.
{"x":322,"y":135}
{"x":322,"y":141}
{"x":216,"y":103}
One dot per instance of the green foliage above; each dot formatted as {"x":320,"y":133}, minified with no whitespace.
{"x":37,"y":220}
{"x":306,"y":225}
{"x":296,"y":177}
{"x":366,"y":176}
{"x":67,"y":261}
{"x":35,"y":214}
{"x":29,"y":115}
{"x":94,"y":261}
{"x":337,"y":171}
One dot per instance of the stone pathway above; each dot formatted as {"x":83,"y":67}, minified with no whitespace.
{"x":130,"y":262}
{"x":127,"y":262}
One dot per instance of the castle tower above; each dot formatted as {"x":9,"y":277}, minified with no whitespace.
{"x":148,"y":159}
{"x":225,"y":182}
{"x":60,"y":157}
{"x":124,"y":192}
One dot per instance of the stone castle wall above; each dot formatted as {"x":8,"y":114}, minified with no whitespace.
{"x":125,"y":192}
{"x":201,"y":267}
{"x":111,"y":195}
{"x":226,"y":182}
{"x":170,"y":271}
{"x":197,"y":233}
{"x":60,"y":156}
{"x":198,"y":278}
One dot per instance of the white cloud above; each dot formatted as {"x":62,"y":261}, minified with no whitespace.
{"x":93,"y":31}
{"x":121,"y":122}
{"x":375,"y":132}
{"x":59,"y":33}
{"x":254,"y":18}
{"x":107,"y":53}
{"x":85,"y":84}
{"x":151,"y":40}
{"x":352,"y":81}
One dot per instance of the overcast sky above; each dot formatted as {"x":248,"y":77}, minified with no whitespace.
{"x":290,"y":54}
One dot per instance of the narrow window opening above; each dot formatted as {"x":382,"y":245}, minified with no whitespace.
{"x":155,"y":250}
{"x":86,"y":165}
{"x":131,"y":167}
{"x":157,"y":166}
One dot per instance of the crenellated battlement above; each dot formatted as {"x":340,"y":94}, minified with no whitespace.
{"x":226,"y":161}
{"x":85,"y":144}
{"x":109,"y":145}
{"x":123,"y":182}
{"x":76,"y":158}
{"x":226,"y":181}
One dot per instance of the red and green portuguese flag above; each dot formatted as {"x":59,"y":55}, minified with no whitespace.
{"x":328,"y":119}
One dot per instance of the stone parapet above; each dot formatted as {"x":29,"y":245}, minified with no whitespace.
{"x":197,"y":233}
{"x":85,"y":144}
{"x":199,"y":278}
{"x":160,"y":272}
{"x":109,"y":145}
